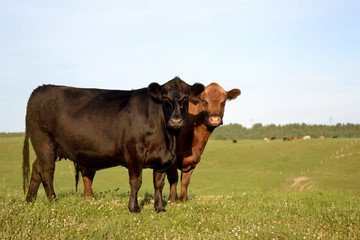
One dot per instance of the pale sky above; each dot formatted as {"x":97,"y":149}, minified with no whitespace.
{"x":294,"y":61}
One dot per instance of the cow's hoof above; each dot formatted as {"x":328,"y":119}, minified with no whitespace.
{"x":183,"y":200}
{"x":172,"y":200}
{"x":52,"y":198}
{"x":160,"y":209}
{"x":30,"y":199}
{"x":134,"y":210}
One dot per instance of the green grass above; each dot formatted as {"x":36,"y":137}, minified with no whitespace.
{"x":252,"y":189}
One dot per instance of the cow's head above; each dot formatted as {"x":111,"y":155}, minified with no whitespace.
{"x":213,"y":101}
{"x":174,"y":96}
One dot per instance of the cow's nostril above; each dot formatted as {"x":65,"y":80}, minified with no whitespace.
{"x":215,"y":120}
{"x":176,"y":120}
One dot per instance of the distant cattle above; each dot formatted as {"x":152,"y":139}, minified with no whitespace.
{"x":234,"y":141}
{"x":290,"y":138}
{"x":99,"y":128}
{"x":266,"y":139}
{"x":307,"y":137}
{"x":322,"y":138}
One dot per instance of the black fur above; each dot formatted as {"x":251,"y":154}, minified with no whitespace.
{"x":99,"y":128}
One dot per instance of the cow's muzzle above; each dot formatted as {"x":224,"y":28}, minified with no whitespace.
{"x":176,"y":123}
{"x":215,"y":121}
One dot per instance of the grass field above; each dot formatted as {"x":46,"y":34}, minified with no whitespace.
{"x":252,"y":189}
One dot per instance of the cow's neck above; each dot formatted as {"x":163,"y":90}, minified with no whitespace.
{"x":193,"y":139}
{"x":197,"y":119}
{"x":202,"y":133}
{"x":192,"y":153}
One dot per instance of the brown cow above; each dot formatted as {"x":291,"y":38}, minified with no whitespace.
{"x":204,"y":116}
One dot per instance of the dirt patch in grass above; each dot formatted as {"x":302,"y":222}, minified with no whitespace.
{"x":302,"y":183}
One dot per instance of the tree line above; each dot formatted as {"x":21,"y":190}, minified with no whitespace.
{"x":11,"y":134}
{"x":259,"y":131}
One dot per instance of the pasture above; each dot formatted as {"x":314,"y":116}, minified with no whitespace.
{"x":245,"y":190}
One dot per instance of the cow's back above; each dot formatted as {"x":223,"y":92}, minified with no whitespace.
{"x":94,"y":126}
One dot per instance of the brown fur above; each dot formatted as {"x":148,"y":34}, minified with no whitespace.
{"x":204,"y":116}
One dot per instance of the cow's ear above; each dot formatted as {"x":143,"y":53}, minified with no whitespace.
{"x":232,"y":94}
{"x":155,"y":90}
{"x":196,"y":90}
{"x":197,"y":99}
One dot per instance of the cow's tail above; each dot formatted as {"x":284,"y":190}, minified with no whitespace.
{"x":26,"y":163}
{"x":77,"y":170}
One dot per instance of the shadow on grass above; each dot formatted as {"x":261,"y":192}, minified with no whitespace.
{"x":148,"y":198}
{"x":112,"y":193}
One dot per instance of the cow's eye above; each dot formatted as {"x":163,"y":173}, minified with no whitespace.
{"x":183,"y":104}
{"x":184,"y":99}
{"x":205,"y":103}
{"x":167,"y":100}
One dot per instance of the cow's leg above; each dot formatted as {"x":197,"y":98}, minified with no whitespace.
{"x":135,"y":180}
{"x":172,"y":176}
{"x":44,"y":166}
{"x":48,"y":179}
{"x":88,"y":177}
{"x":34,"y":183}
{"x":159,"y":182}
{"x":185,"y":181}
{"x":47,"y":173}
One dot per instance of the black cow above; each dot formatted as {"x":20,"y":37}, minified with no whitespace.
{"x":99,"y":128}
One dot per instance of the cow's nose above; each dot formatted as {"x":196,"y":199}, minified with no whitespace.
{"x":215,"y":120}
{"x":176,"y":122}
